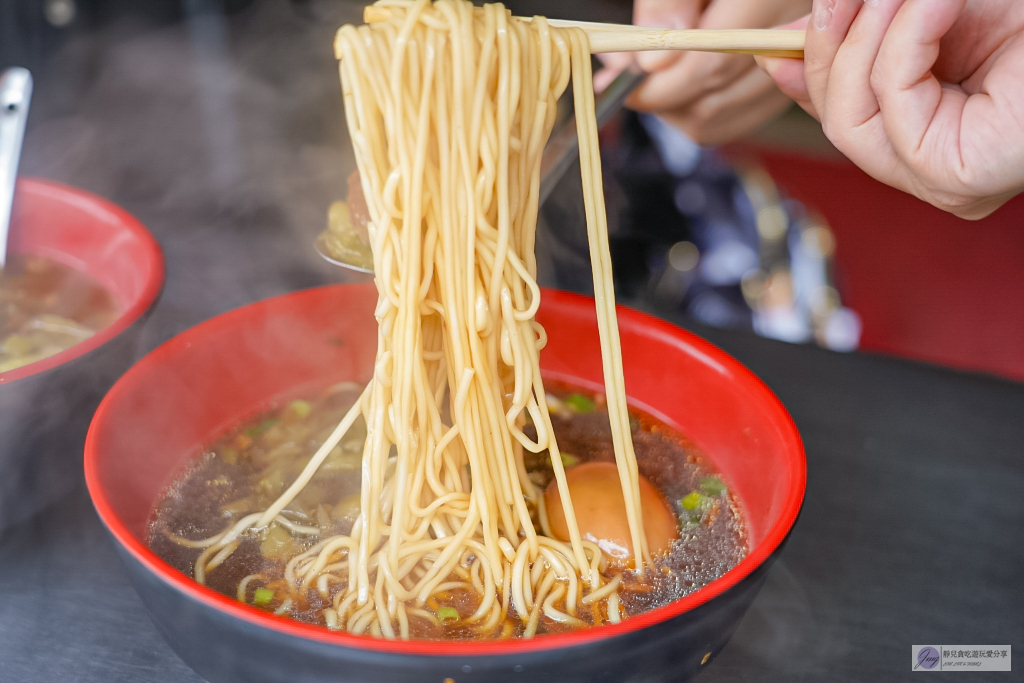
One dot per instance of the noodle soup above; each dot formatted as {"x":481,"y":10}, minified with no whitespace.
{"x":472,"y":517}
{"x":247,"y":468}
{"x":47,"y":307}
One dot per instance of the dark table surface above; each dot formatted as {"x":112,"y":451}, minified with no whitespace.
{"x":225,"y":137}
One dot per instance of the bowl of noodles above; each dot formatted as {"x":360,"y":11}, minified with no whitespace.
{"x":447,"y":473}
{"x":219,"y":398}
{"x":81,"y":276}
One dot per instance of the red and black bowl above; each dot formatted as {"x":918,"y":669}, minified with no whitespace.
{"x":45,"y":407}
{"x":227,"y":369}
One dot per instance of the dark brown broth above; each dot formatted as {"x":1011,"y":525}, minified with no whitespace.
{"x":47,"y":307}
{"x":233,"y":478}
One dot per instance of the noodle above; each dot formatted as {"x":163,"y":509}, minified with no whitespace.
{"x":449,"y":108}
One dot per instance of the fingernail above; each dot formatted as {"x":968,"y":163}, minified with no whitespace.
{"x":873,"y":3}
{"x":662,"y":21}
{"x":822,"y":16}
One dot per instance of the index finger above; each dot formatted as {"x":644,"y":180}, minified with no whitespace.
{"x":689,"y":76}
{"x":664,"y":14}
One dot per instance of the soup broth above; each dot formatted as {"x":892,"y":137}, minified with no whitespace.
{"x":246,"y":469}
{"x":47,"y":307}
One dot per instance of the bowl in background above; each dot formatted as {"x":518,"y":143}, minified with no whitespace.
{"x":45,"y":407}
{"x":182,"y":395}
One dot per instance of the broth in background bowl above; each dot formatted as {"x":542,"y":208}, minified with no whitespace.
{"x":81,"y":276}
{"x":47,"y":307}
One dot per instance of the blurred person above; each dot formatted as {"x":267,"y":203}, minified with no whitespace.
{"x":924,"y":95}
{"x":710,"y":97}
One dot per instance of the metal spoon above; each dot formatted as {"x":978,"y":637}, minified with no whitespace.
{"x":559,"y":153}
{"x":15,"y":94}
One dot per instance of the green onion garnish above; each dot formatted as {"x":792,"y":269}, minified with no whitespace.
{"x":692,"y":500}
{"x":256,"y":430}
{"x":447,"y":614}
{"x":711,"y":486}
{"x":300,"y":407}
{"x":579,"y":403}
{"x":262,"y":597}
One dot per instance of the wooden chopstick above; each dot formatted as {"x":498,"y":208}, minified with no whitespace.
{"x":626,"y":38}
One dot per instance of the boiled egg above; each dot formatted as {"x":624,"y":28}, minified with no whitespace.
{"x":601,"y":511}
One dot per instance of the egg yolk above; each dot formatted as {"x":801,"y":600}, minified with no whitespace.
{"x":601,"y":511}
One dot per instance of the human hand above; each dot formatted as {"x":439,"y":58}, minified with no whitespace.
{"x":711,"y":97}
{"x":924,"y":95}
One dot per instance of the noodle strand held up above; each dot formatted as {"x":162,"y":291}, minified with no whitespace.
{"x":449,"y":108}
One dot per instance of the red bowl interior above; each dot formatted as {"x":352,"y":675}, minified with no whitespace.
{"x":212,"y":376}
{"x":91,"y":235}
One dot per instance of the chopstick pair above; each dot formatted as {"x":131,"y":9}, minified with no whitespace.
{"x":626,"y":38}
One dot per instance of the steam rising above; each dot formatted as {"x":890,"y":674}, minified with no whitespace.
{"x":224,"y":135}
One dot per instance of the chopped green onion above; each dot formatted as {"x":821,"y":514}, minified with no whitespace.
{"x":568,"y":459}
{"x":579,"y":403}
{"x":256,"y":430}
{"x":447,"y":614}
{"x":711,"y":486}
{"x":262,"y":597}
{"x":692,"y":500}
{"x":300,"y":407}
